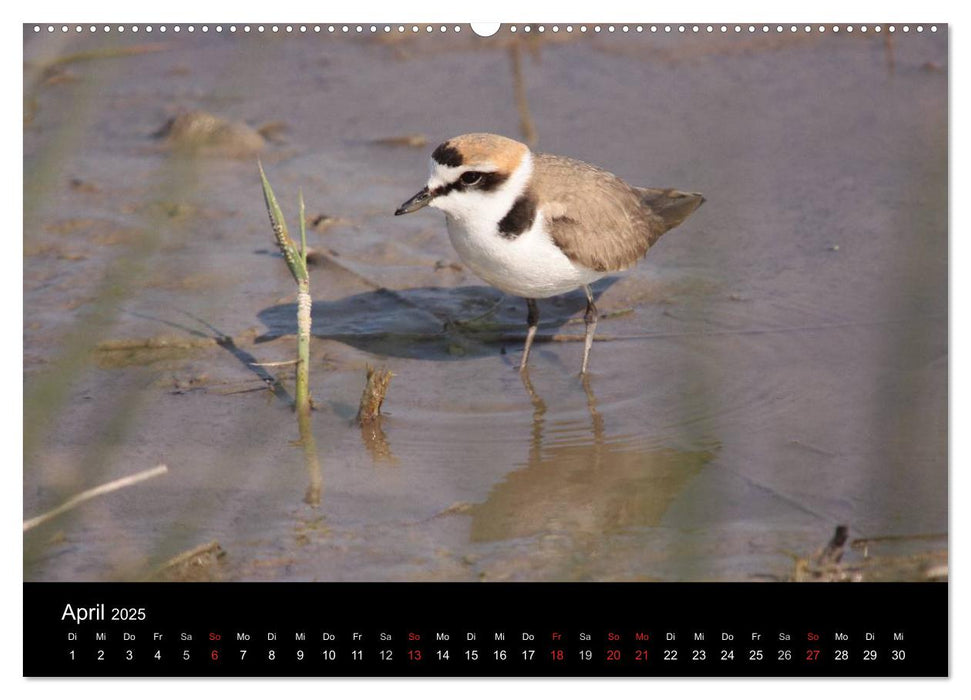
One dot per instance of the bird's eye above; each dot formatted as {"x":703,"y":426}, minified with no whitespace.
{"x":470,"y":177}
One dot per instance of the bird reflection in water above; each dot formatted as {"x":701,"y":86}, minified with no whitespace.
{"x":583,"y":485}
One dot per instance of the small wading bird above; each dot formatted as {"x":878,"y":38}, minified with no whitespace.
{"x":537,"y":225}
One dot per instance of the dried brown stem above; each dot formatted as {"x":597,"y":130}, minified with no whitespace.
{"x":378,"y":381}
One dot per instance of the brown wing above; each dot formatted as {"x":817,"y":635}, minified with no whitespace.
{"x":597,"y":219}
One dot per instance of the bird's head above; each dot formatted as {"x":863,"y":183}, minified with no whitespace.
{"x":474,"y":176}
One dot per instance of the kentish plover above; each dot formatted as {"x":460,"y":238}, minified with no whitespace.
{"x":537,"y":225}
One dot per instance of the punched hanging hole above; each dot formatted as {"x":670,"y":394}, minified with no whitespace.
{"x":485,"y":28}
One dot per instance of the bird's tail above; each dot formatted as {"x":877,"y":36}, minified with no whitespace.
{"x":672,"y":206}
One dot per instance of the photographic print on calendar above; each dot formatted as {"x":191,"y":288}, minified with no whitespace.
{"x":622,"y":302}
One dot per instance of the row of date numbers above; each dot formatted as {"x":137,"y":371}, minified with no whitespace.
{"x":555,"y":655}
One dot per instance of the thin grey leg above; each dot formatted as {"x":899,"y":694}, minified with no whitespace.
{"x":532,"y":318}
{"x":590,"y":318}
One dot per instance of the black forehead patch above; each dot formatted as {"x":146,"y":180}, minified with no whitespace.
{"x":447,"y":155}
{"x":519,"y":217}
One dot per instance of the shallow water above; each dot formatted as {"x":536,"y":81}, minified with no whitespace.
{"x":782,"y":368}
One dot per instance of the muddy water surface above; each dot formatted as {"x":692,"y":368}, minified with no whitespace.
{"x":775,"y":367}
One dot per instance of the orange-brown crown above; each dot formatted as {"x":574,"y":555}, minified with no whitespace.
{"x":481,"y":151}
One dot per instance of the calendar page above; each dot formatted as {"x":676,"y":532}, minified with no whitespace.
{"x":552,"y":349}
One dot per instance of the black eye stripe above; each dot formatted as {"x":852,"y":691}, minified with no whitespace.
{"x":491,"y":181}
{"x":487,"y":183}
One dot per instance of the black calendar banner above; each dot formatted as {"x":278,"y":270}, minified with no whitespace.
{"x":412,"y":629}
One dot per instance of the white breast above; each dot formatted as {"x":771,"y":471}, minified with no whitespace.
{"x":529,"y":265}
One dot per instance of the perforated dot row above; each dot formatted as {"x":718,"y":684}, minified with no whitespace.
{"x":414,"y":28}
{"x":723,"y":28}
{"x":246,"y":28}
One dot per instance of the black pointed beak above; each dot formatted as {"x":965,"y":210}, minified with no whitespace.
{"x":415,"y":203}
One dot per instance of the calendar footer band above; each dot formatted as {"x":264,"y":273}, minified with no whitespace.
{"x":498,"y":629}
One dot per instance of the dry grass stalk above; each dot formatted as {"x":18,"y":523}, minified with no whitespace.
{"x":522,"y":104}
{"x":80,"y":498}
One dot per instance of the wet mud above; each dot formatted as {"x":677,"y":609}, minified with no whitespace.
{"x":775,"y":367}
